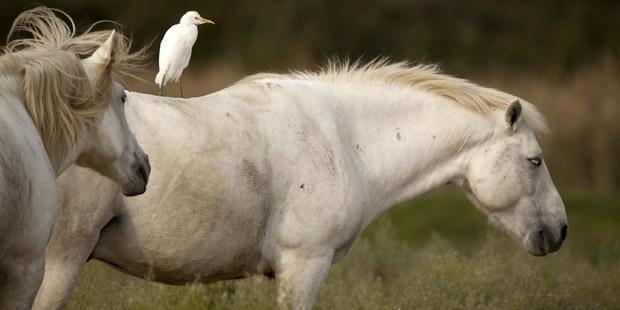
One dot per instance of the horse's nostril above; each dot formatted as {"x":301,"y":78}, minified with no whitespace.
{"x":541,"y":235}
{"x":564,"y":232}
{"x":142,"y":173}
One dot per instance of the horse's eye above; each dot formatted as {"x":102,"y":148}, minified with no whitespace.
{"x":536,"y":161}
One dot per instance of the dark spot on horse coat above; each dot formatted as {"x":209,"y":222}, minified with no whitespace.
{"x":271,"y":86}
{"x":398,"y":136}
{"x":232,"y":118}
{"x":302,"y":185}
{"x":255,"y":181}
{"x":329,"y":160}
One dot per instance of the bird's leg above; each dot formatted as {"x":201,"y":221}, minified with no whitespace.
{"x":161,"y":90}
{"x":181,"y":87}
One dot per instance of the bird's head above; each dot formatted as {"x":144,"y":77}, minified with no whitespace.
{"x":192,"y":17}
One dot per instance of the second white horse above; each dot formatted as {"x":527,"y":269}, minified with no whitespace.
{"x":59,"y":105}
{"x":278,"y":175}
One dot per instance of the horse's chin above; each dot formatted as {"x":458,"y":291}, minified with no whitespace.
{"x":134,"y":188}
{"x":137,"y":186}
{"x":535,"y":246}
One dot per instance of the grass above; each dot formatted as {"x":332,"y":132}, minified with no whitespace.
{"x":435,"y":252}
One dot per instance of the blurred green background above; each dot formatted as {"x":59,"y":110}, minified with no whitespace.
{"x":464,"y":36}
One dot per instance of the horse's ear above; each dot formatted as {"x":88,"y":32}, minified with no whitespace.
{"x":514,"y":114}
{"x":98,"y":63}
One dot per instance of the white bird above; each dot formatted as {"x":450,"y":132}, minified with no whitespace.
{"x":175,"y":49}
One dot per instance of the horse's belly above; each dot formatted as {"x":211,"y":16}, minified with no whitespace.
{"x":178,"y":271}
{"x":179,"y":255}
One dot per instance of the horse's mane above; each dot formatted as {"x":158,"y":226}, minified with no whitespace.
{"x":426,"y":78}
{"x":57,"y":92}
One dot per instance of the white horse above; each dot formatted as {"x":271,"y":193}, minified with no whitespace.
{"x":55,"y":110}
{"x":278,"y":175}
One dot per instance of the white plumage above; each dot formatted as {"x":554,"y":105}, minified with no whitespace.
{"x":175,"y":49}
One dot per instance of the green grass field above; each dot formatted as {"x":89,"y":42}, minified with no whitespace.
{"x":435,"y":252}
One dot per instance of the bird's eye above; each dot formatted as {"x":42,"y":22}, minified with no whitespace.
{"x":536,"y":161}
{"x":124,"y":97}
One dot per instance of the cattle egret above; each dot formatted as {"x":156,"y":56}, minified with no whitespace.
{"x":175,"y":49}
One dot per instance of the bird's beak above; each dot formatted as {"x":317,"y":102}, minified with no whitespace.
{"x":206,"y":21}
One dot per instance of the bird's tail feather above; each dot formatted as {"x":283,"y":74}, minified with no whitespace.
{"x":160,"y":78}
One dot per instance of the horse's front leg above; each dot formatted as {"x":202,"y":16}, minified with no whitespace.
{"x":66,"y":256}
{"x":300,"y":275}
{"x":80,"y":219}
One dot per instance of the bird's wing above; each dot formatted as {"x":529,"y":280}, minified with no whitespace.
{"x":168,"y":46}
{"x":176,"y":46}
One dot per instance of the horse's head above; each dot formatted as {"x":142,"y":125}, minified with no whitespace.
{"x":506,"y":178}
{"x":111,"y":149}
{"x":71,"y":97}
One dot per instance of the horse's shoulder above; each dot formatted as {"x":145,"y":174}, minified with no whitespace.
{"x":14,"y":176}
{"x":23,"y":156}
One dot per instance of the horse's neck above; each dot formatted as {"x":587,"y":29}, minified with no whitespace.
{"x":410,"y":142}
{"x":69,"y":157}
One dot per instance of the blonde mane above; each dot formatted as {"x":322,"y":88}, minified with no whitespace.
{"x":426,"y":78}
{"x":57,"y":92}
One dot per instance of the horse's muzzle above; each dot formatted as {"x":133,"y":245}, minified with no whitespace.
{"x":141,"y":176}
{"x":544,"y":239}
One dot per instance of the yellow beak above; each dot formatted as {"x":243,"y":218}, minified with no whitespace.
{"x":206,"y":21}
